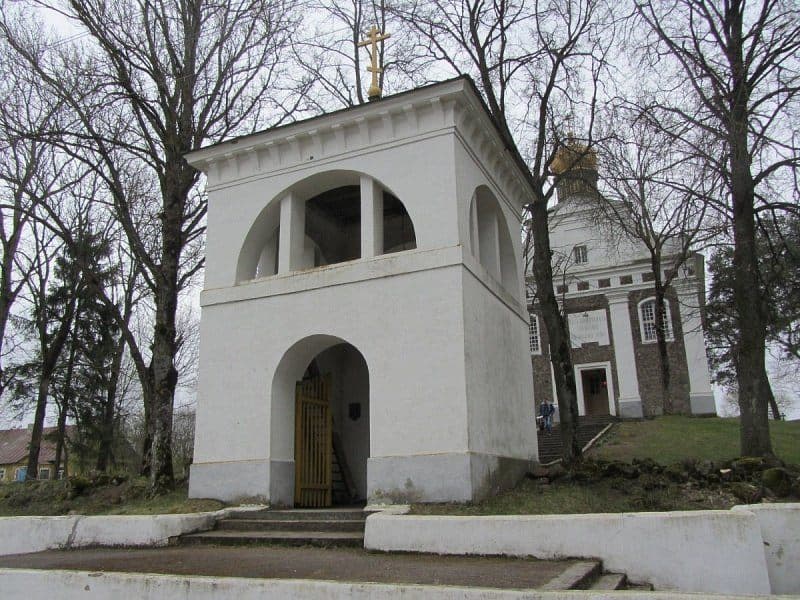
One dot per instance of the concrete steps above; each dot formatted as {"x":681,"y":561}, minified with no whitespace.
{"x":576,"y":577}
{"x":588,"y":575}
{"x":345,"y":527}
{"x":588,"y":428}
{"x":610,"y":582}
{"x":323,"y":528}
{"x":331,"y":525}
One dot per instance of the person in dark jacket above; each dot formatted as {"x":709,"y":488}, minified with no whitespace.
{"x":546,"y":411}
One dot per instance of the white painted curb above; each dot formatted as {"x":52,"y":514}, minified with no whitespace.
{"x":19,"y":535}
{"x":692,"y":551}
{"x":32,"y":584}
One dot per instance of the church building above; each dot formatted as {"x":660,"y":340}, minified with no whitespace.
{"x":603,"y":280}
{"x":364,"y":331}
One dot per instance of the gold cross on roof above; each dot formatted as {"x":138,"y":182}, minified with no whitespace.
{"x":373,"y":38}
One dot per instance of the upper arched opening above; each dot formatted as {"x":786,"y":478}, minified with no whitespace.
{"x":328,"y":218}
{"x":490,"y":239}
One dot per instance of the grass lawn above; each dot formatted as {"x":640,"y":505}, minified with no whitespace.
{"x":666,"y":440}
{"x":671,"y":439}
{"x":127,"y":498}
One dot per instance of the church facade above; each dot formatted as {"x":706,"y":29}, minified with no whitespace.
{"x":363,"y":312}
{"x":603,"y":280}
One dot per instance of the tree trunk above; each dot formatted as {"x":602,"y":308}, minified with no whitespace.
{"x":49,"y":362}
{"x":8,"y":293}
{"x":66,"y":400}
{"x":557,"y":335}
{"x":61,"y":441}
{"x":661,"y":334}
{"x":776,"y":411}
{"x":751,"y":372}
{"x":38,"y":426}
{"x":107,"y":431}
{"x":165,"y":376}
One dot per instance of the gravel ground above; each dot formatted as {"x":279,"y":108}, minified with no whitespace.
{"x":339,"y":564}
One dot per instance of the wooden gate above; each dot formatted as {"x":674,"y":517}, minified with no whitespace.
{"x":313,"y":442}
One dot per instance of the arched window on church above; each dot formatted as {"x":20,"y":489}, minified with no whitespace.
{"x":647,"y":321}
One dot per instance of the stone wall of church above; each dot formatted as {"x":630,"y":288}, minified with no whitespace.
{"x":592,"y":352}
{"x":647,"y":360}
{"x":648,"y":366}
{"x":588,"y":353}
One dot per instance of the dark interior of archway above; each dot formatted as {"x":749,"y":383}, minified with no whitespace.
{"x":398,"y":230}
{"x":333,"y":223}
{"x":312,"y":370}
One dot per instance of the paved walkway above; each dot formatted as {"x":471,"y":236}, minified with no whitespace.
{"x":338,"y":564}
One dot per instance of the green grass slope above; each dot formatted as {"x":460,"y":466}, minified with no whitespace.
{"x":673,"y":438}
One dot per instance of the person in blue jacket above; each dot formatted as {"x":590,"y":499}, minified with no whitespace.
{"x":546,"y":411}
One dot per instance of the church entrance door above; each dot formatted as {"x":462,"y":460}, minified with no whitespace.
{"x":313,"y":443}
{"x":595,"y":391}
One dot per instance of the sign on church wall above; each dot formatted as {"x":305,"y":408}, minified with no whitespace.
{"x":586,"y":327}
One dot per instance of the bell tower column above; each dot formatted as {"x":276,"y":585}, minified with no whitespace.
{"x":291,"y":234}
{"x":371,"y":218}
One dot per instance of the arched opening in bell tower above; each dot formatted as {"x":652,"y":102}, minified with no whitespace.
{"x":320,"y":421}
{"x":326,"y":219}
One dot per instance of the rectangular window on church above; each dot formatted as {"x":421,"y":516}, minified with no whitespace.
{"x":533,"y":335}
{"x":581,"y":255}
{"x":647,"y":312}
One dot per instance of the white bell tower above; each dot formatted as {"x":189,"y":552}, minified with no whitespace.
{"x":367,"y":261}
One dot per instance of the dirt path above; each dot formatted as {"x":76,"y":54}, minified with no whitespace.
{"x":339,"y":564}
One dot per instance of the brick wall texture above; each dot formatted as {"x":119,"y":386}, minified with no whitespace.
{"x":648,"y":366}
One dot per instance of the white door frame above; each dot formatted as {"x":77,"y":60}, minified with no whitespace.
{"x":612,"y":408}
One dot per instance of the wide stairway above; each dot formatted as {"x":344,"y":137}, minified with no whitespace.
{"x":588,"y":428}
{"x":296,"y":527}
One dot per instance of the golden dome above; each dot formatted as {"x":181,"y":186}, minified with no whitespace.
{"x":573,"y":155}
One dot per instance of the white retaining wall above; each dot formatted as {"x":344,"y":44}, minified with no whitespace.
{"x":693,"y":551}
{"x":31,"y":584}
{"x":33,"y":534}
{"x":780,"y":530}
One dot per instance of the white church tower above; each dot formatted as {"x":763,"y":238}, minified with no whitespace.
{"x":364,"y":327}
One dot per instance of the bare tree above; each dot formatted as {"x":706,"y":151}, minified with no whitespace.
{"x":27,"y":178}
{"x":151,"y":82}
{"x":738,"y":61}
{"x":332,"y":62}
{"x":659,"y":195}
{"x":54,"y":289}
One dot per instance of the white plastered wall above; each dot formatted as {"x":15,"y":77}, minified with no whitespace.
{"x":498,"y":368}
{"x":423,"y":182}
{"x":414,"y":375}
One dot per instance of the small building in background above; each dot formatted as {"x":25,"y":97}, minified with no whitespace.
{"x":604,"y":282}
{"x":14,"y":444}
